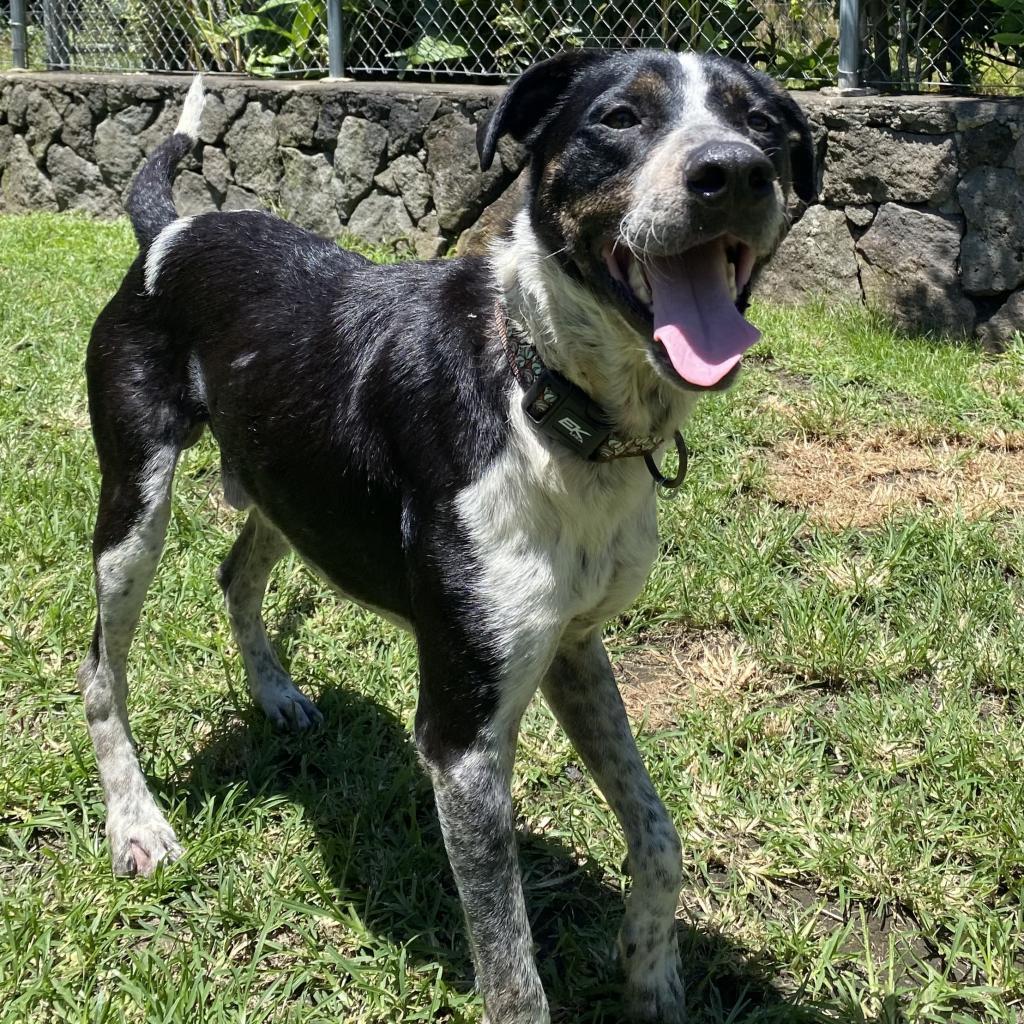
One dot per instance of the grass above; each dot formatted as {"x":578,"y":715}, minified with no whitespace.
{"x":829,"y":699}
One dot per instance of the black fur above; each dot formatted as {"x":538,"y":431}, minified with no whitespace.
{"x":149,"y":204}
{"x":401,"y":406}
{"x":534,"y":99}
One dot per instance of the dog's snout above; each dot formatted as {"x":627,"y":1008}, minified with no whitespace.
{"x":721,"y":171}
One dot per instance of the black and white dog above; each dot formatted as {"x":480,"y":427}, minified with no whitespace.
{"x":466,"y":446}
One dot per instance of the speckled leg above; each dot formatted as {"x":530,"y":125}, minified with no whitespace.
{"x":474,"y":806}
{"x":134,"y":508}
{"x":469,"y":746}
{"x":580,"y":688}
{"x":243,"y":577}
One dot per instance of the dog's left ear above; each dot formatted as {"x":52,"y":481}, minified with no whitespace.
{"x":801,"y":149}
{"x":531,"y":99}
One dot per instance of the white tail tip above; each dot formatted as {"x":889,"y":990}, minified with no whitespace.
{"x":192,"y":111}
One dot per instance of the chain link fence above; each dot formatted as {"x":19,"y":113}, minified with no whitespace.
{"x":491,"y":38}
{"x":268,"y":37}
{"x":950,"y":45}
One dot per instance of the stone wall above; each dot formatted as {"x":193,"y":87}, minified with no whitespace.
{"x":921,"y":211}
{"x":382,"y":162}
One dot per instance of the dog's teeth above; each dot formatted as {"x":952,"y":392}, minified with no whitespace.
{"x":638,"y":284}
{"x":730,"y":275}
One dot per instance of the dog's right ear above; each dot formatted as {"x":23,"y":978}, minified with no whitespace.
{"x":531,"y":98}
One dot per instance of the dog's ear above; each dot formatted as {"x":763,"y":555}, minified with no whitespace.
{"x":531,"y":99}
{"x":801,"y":149}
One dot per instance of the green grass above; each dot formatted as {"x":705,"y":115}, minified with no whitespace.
{"x":847,"y":775}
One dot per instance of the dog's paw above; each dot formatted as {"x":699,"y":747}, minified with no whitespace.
{"x":527,"y":1015}
{"x":287,"y":706}
{"x":654,"y":992}
{"x":138,"y":848}
{"x":658,"y":1000}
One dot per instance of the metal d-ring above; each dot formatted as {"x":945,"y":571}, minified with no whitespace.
{"x":668,"y":486}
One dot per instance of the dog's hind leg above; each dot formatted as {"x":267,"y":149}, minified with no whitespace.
{"x":243,"y":577}
{"x":135,"y":500}
{"x":580,"y":689}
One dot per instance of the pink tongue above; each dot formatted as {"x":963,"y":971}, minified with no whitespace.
{"x":694,"y":316}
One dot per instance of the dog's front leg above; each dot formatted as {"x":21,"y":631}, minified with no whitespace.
{"x":466,"y":734}
{"x":474,"y":804}
{"x":580,"y":688}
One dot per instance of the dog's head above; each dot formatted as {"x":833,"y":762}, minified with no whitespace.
{"x":660,"y":183}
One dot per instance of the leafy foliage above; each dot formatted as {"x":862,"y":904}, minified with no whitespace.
{"x":1010,"y":27}
{"x":483,"y":36}
{"x":475,"y":37}
{"x":955,"y":44}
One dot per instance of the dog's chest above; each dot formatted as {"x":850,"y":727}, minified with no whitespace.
{"x":555,"y":552}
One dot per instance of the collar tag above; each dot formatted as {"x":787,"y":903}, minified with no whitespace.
{"x":564,"y":412}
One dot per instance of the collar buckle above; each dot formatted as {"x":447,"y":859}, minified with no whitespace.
{"x":565,"y":412}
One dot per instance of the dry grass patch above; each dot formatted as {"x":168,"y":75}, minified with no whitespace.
{"x":688,"y":667}
{"x":857,"y":482}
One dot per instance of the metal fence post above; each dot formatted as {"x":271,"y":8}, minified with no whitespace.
{"x":335,"y":40}
{"x":849,"y":44}
{"x":19,"y":35}
{"x":55,"y":28}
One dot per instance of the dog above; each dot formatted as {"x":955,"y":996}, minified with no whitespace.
{"x":469,"y":447}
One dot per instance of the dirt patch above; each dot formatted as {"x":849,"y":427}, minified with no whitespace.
{"x":688,"y":667}
{"x":860,"y":481}
{"x":784,"y":379}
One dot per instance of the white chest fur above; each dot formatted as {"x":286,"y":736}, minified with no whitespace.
{"x":561,"y":545}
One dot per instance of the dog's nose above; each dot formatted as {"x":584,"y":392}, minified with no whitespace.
{"x":718,"y":172}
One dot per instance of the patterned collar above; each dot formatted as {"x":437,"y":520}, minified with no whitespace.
{"x":564,"y":411}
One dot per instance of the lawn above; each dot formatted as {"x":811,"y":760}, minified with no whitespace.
{"x":826,"y":672}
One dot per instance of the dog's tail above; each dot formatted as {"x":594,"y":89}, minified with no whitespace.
{"x":150,"y":205}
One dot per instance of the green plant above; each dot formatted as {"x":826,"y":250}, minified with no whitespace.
{"x":460,"y":36}
{"x":1010,"y":27}
{"x":430,"y":50}
{"x":279,"y":35}
{"x":525,"y":33}
{"x":957,"y":44}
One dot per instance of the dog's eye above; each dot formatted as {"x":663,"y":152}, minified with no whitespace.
{"x":620,"y":117}
{"x":758,"y":122}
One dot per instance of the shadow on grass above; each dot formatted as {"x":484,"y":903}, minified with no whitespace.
{"x":380,"y":845}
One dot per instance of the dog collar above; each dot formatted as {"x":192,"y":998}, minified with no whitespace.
{"x":564,"y":411}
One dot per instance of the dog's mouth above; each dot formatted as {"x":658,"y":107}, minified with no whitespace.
{"x":691,"y":302}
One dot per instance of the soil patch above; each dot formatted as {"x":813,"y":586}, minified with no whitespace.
{"x":698,"y":666}
{"x":856,"y":482}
